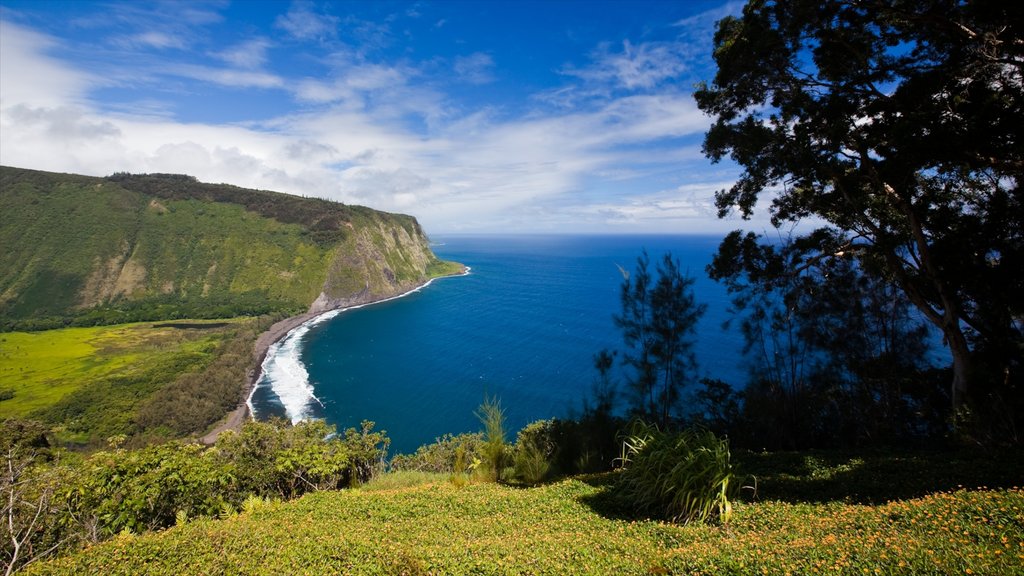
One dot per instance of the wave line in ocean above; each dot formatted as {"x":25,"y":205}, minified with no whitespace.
{"x":284,"y":372}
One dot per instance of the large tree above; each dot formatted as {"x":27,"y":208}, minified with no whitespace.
{"x":899,"y":124}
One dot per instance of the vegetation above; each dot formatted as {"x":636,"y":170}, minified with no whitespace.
{"x":446,"y":455}
{"x":493,"y":449}
{"x":798,"y":523}
{"x":658,"y":321}
{"x":836,"y":356}
{"x":894,"y":124}
{"x":83,"y":251}
{"x":154,"y":380}
{"x":682,"y":477}
{"x":52,"y":504}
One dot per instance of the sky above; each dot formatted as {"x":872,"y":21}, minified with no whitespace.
{"x":565,"y":116}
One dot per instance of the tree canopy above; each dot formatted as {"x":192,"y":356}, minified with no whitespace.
{"x":895,"y":127}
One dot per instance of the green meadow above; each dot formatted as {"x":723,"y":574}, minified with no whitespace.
{"x":89,"y":380}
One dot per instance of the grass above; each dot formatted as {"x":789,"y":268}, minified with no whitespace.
{"x":441,"y":268}
{"x":574,"y":527}
{"x":44,"y":370}
{"x":403,"y":479}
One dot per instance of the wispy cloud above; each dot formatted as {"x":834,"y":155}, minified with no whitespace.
{"x":382,"y":131}
{"x":476,"y":68}
{"x":151,"y":39}
{"x":635,"y":66}
{"x":250,"y":54}
{"x":28,"y":75}
{"x":226,"y":76}
{"x":302,"y":22}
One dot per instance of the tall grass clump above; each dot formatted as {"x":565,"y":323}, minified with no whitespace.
{"x":494,"y":452}
{"x":680,"y":476}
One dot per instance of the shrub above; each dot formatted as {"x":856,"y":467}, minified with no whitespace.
{"x":148,"y":489}
{"x":533,"y":450}
{"x":682,"y":477}
{"x":279,"y":460}
{"x":443,"y":454}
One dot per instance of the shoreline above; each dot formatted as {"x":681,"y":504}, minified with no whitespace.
{"x":278,"y":332}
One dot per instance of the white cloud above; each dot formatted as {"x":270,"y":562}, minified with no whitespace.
{"x":376,"y":133}
{"x":29,"y":76}
{"x":251,"y":54}
{"x":477,"y":68}
{"x":63,"y":123}
{"x":152,"y":39}
{"x":302,"y":23}
{"x":641,"y":66}
{"x":227,"y":76}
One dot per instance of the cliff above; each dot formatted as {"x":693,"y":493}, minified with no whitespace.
{"x":81,"y":250}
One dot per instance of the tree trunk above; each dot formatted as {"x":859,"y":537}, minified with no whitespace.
{"x":961,"y":353}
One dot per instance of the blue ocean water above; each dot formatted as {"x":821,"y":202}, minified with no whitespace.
{"x":524,"y":326}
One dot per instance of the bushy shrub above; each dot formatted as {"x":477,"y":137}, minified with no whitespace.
{"x":147,"y":489}
{"x":533,"y":451}
{"x":443,"y":455}
{"x":64,"y":501}
{"x":682,"y":476}
{"x":276,"y":459}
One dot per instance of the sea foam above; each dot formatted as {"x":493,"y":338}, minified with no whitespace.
{"x":284,"y":372}
{"x":286,"y":375}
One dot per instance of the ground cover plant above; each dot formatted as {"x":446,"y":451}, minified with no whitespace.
{"x":797,"y":523}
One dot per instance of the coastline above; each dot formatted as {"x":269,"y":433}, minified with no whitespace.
{"x":280,"y":330}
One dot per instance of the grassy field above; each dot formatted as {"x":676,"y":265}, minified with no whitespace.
{"x":801,"y":524}
{"x":43,"y":371}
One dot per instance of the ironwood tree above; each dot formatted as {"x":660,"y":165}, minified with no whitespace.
{"x":658,"y":323}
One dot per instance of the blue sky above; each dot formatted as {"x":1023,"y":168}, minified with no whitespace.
{"x":473,"y":116}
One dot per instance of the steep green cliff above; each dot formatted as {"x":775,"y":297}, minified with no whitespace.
{"x":79,"y":250}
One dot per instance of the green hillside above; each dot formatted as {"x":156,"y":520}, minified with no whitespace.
{"x":85,"y":261}
{"x":80,"y":250}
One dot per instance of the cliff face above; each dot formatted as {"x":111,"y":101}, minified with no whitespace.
{"x":378,"y":260}
{"x":83,"y":250}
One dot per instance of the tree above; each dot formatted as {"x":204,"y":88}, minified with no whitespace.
{"x":658,"y":322}
{"x":897,"y":122}
{"x":835,"y":353}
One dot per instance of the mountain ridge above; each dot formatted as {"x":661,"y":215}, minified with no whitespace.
{"x":83,"y":250}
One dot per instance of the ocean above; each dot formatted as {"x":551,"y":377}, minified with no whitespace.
{"x":522,"y":326}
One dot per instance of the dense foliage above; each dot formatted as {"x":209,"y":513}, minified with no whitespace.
{"x":921,"y":523}
{"x":326,"y":220}
{"x":836,"y":355}
{"x":53,"y":504}
{"x":895,"y":123}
